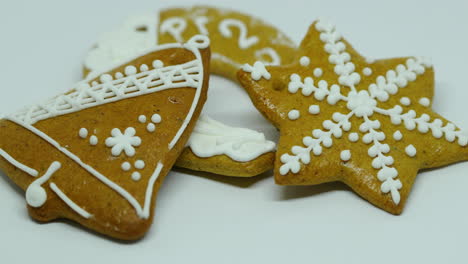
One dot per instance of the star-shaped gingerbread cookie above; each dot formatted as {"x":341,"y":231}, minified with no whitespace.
{"x":342,"y":117}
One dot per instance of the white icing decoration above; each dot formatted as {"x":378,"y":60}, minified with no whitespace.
{"x":318,"y":72}
{"x":36,"y":195}
{"x":345,"y":155}
{"x":405,"y":101}
{"x":336,"y":48}
{"x":397,"y":135}
{"x":139,"y":164}
{"x":189,"y":74}
{"x":142,"y":119}
{"x":136,"y":176}
{"x":294,"y":114}
{"x":69,"y":202}
{"x":72,"y":102}
{"x":156,"y":118}
{"x":424,"y":101}
{"x":257,"y":71}
{"x":126,"y":166}
{"x":211,"y":138}
{"x":275,"y":59}
{"x":93,"y":140}
{"x":224,"y":59}
{"x":314,"y":109}
{"x":123,"y":141}
{"x":244,"y":41}
{"x":18,"y":164}
{"x":200,"y":23}
{"x":362,"y":104}
{"x":367,"y":71}
{"x":304,"y":61}
{"x":353,"y":137}
{"x":142,"y":212}
{"x":410,"y":150}
{"x":83,"y":133}
{"x":122,"y":43}
{"x":174,"y":26}
{"x":151,"y":127}
{"x":370,"y":60}
{"x":321,"y":91}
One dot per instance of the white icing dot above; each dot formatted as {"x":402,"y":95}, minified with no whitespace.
{"x":353,"y":137}
{"x":370,"y":60}
{"x":144,"y":67}
{"x":304,"y":61}
{"x":156,"y":118}
{"x":345,"y":155}
{"x":424,"y":101}
{"x":119,"y":75}
{"x":367,"y":71}
{"x":410,"y":150}
{"x":397,"y":135}
{"x":314,"y":109}
{"x":83,"y":133}
{"x":405,"y":101}
{"x":151,"y":127}
{"x":139,"y":164}
{"x":294,"y":114}
{"x":126,"y":166}
{"x":136,"y":176}
{"x":142,"y":119}
{"x":93,"y":140}
{"x":318,"y":72}
{"x":105,"y":78}
{"x":130,"y":70}
{"x":157,"y":64}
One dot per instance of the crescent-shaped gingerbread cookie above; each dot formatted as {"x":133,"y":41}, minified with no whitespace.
{"x":342,"y":117}
{"x":236,"y":39}
{"x":98,"y":154}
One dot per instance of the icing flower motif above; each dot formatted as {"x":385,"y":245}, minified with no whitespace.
{"x":123,"y":142}
{"x":361,"y":103}
{"x":258,"y":71}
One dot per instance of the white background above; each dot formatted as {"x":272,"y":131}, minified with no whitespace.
{"x":203,"y":218}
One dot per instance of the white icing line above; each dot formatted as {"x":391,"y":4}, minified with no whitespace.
{"x":196,"y":98}
{"x":36,"y":196}
{"x":275,"y":58}
{"x":224,"y":59}
{"x":18,"y":164}
{"x":244,"y":41}
{"x":69,"y":202}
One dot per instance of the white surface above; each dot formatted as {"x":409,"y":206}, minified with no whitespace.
{"x":213,"y":219}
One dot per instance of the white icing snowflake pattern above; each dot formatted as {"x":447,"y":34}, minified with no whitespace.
{"x":363,"y":104}
{"x":123,"y":141}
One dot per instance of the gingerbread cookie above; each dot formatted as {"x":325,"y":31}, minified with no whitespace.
{"x":235,"y":39}
{"x":342,"y":117}
{"x":98,"y":154}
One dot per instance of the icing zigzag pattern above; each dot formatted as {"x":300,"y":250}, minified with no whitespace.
{"x":127,"y":85}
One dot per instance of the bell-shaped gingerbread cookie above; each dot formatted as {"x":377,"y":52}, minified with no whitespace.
{"x":98,"y":154}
